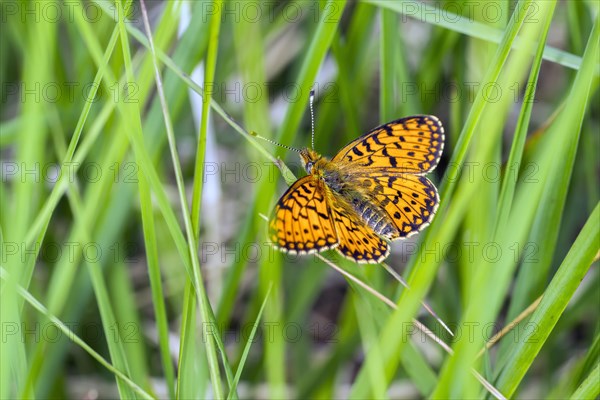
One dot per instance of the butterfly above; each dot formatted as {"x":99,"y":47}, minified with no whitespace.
{"x":370,"y":193}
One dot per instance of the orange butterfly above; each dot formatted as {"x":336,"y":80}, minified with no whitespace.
{"x":372,"y":192}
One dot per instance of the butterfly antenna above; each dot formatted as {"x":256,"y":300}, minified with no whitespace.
{"x":256,"y":135}
{"x":312,"y":117}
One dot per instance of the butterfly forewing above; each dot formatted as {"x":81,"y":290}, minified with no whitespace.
{"x":301,"y":222}
{"x":411,"y":145}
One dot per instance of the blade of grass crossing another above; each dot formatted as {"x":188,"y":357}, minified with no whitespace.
{"x":109,"y":223}
{"x":548,"y":221}
{"x":464,"y":24}
{"x":115,"y":346}
{"x":192,"y":365}
{"x":45,"y":214}
{"x":370,"y":344}
{"x":158,"y":300}
{"x":110,"y":323}
{"x":209,"y":76}
{"x":492,"y":275}
{"x":557,"y":296}
{"x":249,"y":45}
{"x":192,"y":228}
{"x":133,"y":119}
{"x":319,"y":45}
{"x":590,"y":387}
{"x":421,"y":278}
{"x":530,"y":277}
{"x":238,"y":372}
{"x":270,"y":271}
{"x":73,"y":337}
{"x":516,"y":151}
{"x":570,"y":117}
{"x":38,"y":228}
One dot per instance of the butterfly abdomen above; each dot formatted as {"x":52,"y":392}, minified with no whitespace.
{"x":374,"y":217}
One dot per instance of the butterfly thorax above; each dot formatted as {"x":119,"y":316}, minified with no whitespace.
{"x":323,"y":169}
{"x":357,"y":197}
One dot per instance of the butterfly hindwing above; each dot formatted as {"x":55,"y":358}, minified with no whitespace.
{"x":301,"y":221}
{"x":411,"y":145}
{"x":410,"y":201}
{"x":358,"y":242}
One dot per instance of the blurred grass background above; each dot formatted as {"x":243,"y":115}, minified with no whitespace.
{"x":134,"y":257}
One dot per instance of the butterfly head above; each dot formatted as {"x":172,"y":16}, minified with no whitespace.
{"x":309,"y":159}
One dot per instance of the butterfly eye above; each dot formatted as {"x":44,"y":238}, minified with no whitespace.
{"x":309,"y":166}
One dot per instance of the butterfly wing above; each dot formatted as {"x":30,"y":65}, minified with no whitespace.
{"x":358,"y":242}
{"x":410,"y":201}
{"x":411,"y":145}
{"x":301,"y":221}
{"x":386,"y":166}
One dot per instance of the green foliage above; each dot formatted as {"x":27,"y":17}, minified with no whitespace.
{"x":134,"y":259}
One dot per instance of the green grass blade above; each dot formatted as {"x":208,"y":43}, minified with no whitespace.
{"x":387,"y":50}
{"x":209,"y":76}
{"x":191,"y":221}
{"x":109,"y":322}
{"x":315,"y":54}
{"x":240,"y":368}
{"x":36,"y":304}
{"x":571,"y":117}
{"x":590,"y":360}
{"x":492,"y":275}
{"x":249,"y":44}
{"x":195,"y":364}
{"x":545,"y":230}
{"x":590,"y":387}
{"x":556,"y":297}
{"x":375,"y":361}
{"x":191,"y":236}
{"x":156,"y":286}
{"x":462,"y":24}
{"x":516,"y":151}
{"x":44,"y":216}
{"x":421,"y":278}
{"x":369,"y":62}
